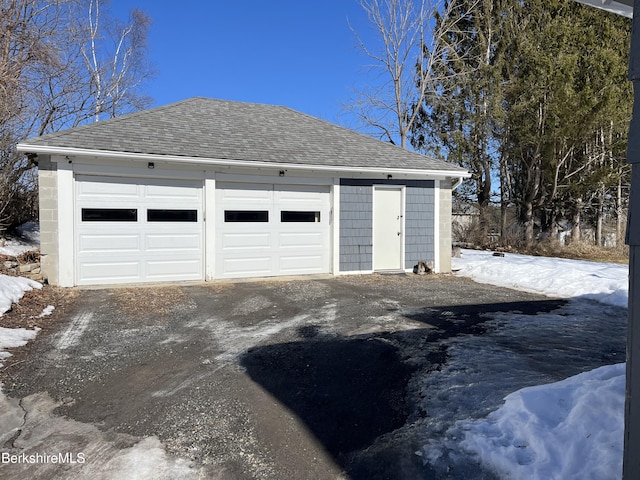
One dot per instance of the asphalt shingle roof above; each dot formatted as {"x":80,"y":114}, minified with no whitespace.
{"x":218,"y":129}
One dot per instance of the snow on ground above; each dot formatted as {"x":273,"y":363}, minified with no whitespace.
{"x":14,"y":337}
{"x":604,"y":282}
{"x":48,"y":310}
{"x":563,"y":430}
{"x":12,"y":289}
{"x":29,"y":239}
{"x":572,"y":429}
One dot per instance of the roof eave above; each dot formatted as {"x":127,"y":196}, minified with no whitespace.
{"x":147,"y":157}
{"x":619,"y":7}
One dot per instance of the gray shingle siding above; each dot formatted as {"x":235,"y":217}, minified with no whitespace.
{"x":356,"y":224}
{"x":356,"y":232}
{"x":419,"y":224}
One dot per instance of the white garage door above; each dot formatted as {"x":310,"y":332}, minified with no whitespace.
{"x":267,"y":230}
{"x":138,"y":230}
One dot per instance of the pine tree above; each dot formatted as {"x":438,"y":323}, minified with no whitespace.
{"x":533,"y":93}
{"x":463,"y":120}
{"x":564,"y":88}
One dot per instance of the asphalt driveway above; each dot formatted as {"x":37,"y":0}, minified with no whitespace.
{"x":284,"y":379}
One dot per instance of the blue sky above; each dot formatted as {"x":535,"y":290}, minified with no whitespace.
{"x":297,"y":53}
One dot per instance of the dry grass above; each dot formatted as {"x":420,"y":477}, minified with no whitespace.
{"x":581,"y":251}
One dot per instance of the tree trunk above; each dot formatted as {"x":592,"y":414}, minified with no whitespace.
{"x":503,"y":203}
{"x":575,"y":220}
{"x":554,"y":230}
{"x":528,"y":224}
{"x":599,"y":226}
{"x":599,"y":216}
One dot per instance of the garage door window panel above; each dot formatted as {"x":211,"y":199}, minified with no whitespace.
{"x":109,"y":215}
{"x":246,"y":216}
{"x":158,"y":215}
{"x":289,"y":216}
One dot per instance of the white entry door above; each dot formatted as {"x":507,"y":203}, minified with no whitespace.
{"x":388,"y":228}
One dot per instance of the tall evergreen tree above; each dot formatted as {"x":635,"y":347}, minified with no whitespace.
{"x":463,"y":119}
{"x":563,"y":88}
{"x":533,"y":93}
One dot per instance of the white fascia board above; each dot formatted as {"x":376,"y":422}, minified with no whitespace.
{"x":146,"y":157}
{"x":623,"y":7}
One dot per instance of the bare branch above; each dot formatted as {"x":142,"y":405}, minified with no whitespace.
{"x":410,"y":44}
{"x":60,"y":67}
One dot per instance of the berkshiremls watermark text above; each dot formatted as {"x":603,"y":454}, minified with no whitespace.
{"x":61,"y":457}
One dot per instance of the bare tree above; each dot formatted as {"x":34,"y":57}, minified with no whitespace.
{"x":114,"y":55}
{"x":409,"y":47}
{"x":27,"y":48}
{"x":22,"y":47}
{"x":62,"y":63}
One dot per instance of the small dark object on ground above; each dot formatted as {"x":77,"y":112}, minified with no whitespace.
{"x":423,"y":267}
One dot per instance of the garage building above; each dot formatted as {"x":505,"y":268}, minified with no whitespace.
{"x":207,"y":189}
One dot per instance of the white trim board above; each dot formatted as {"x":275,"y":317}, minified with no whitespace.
{"x":146,"y":157}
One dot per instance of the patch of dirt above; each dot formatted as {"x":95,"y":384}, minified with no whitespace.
{"x":27,"y":314}
{"x":157,"y":300}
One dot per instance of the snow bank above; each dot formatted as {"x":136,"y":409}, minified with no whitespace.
{"x":12,"y":289}
{"x":572,"y":429}
{"x":564,"y":430}
{"x":605,"y":282}
{"x":14,"y":337}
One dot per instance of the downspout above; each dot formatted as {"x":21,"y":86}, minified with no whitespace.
{"x":457,"y":183}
